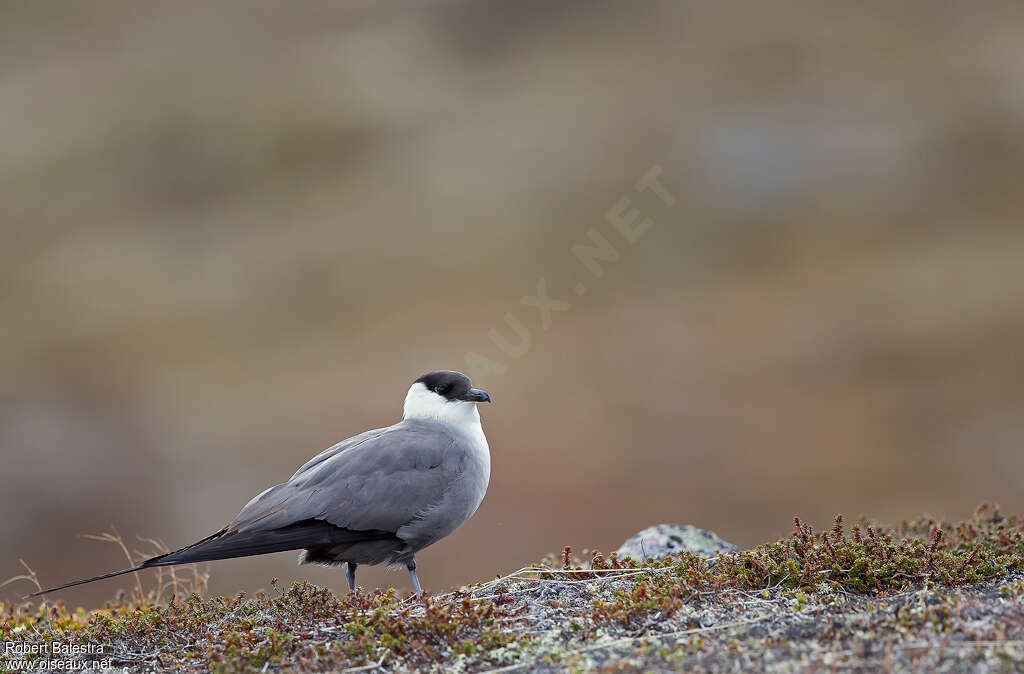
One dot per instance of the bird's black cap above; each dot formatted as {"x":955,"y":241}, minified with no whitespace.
{"x":453,"y":385}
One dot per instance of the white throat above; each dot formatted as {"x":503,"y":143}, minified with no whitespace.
{"x":422,"y":403}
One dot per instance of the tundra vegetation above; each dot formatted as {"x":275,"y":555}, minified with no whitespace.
{"x":924,"y":594}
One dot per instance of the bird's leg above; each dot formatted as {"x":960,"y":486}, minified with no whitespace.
{"x":412,"y":573}
{"x":351,"y":575}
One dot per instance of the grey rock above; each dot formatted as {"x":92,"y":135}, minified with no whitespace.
{"x":671,"y":539}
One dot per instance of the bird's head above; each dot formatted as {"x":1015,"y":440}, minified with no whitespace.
{"x":445,"y":395}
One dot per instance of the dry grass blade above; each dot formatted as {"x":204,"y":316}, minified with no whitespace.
{"x":30,"y":576}
{"x":115,"y":537}
{"x":531,"y":573}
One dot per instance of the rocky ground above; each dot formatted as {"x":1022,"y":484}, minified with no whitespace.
{"x":976,"y":629}
{"x":926,"y":596}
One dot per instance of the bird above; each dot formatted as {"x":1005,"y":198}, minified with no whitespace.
{"x":376,"y":498}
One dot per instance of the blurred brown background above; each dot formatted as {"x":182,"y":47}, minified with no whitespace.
{"x":233,"y":235}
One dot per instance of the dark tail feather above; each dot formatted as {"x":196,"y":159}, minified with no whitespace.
{"x":83,"y":582}
{"x":227,"y":544}
{"x":147,"y":564}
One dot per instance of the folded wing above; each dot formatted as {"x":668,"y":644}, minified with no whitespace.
{"x":377,"y":481}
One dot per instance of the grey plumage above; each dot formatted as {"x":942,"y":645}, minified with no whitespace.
{"x":418,"y":479}
{"x":378,"y":497}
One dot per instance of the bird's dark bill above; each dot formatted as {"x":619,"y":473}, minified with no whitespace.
{"x":475,"y":395}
